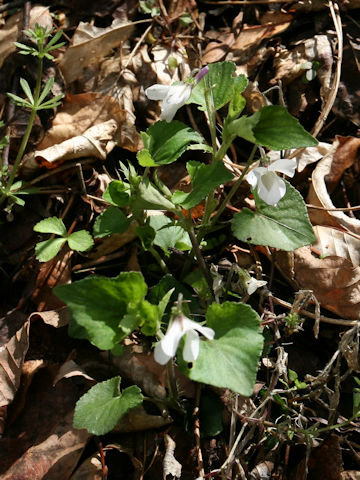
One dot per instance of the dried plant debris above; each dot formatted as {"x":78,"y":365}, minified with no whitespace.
{"x":209,"y":152}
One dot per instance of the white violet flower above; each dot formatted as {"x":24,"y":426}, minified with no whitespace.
{"x":252,"y":285}
{"x":180,"y":326}
{"x":173,"y":96}
{"x":270,"y":187}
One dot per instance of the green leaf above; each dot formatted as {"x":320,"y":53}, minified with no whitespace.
{"x":103,"y":406}
{"x":238,"y":102}
{"x":80,"y":241}
{"x":27,"y":90}
{"x":164,"y":143}
{"x":204,"y":179}
{"x":146,"y":235}
{"x":21,"y":102}
{"x":169,"y":235}
{"x":222,"y":83}
{"x":46,"y":90}
{"x":112,"y":220}
{"x":275,"y":128}
{"x":146,"y":196}
{"x":150,"y":317}
{"x":142,"y":314}
{"x":286,"y":226}
{"x":97,"y":305}
{"x":168,"y":282}
{"x":117,"y":193}
{"x":51,"y":225}
{"x":48,"y":249}
{"x":231,"y":359}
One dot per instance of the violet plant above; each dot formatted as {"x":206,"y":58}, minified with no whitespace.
{"x":227,"y":353}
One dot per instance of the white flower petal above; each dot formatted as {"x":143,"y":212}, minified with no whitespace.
{"x":170,"y":342}
{"x":192,"y":346}
{"x":253,"y":177}
{"x":160,"y":356}
{"x":271,"y":188}
{"x":157,"y":92}
{"x":284,"y":165}
{"x":168,"y":111}
{"x":191,"y":325}
{"x":178,"y":94}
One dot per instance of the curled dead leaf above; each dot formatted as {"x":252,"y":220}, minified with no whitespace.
{"x":12,"y":356}
{"x":330,"y":268}
{"x":97,"y":141}
{"x":331,"y":167}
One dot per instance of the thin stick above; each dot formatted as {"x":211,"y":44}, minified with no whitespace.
{"x":333,"y":321}
{"x":345,"y":209}
{"x":200,"y":461}
{"x":334,"y":10}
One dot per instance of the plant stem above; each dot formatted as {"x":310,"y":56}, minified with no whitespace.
{"x":235,"y":186}
{"x":158,"y":258}
{"x":211,"y":112}
{"x":26,"y":136}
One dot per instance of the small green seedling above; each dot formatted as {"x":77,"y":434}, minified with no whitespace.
{"x":79,"y":241}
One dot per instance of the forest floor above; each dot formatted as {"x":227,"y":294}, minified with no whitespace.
{"x":300,"y":422}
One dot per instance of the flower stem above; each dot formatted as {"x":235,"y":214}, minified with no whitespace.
{"x":26,"y":136}
{"x":235,"y":186}
{"x":211,"y":112}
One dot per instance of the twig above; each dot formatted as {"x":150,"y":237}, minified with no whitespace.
{"x":201,"y":472}
{"x":334,"y":10}
{"x":345,"y":209}
{"x":333,"y":321}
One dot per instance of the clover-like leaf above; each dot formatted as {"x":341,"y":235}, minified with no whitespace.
{"x":80,"y":241}
{"x":51,"y":225}
{"x":48,"y":249}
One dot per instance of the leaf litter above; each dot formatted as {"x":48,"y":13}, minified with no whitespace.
{"x":298,"y":418}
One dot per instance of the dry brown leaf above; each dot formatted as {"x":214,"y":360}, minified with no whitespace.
{"x":71,"y":369}
{"x":334,"y":279}
{"x":138,"y":420}
{"x":56,"y":318}
{"x":160,"y":64}
{"x":345,"y":156}
{"x":12,"y":356}
{"x":114,"y":242}
{"x":10,"y":32}
{"x":289,"y":63}
{"x":325,"y":461}
{"x":350,"y":475}
{"x":54,"y":272}
{"x":251,"y":36}
{"x":319,"y":195}
{"x":90,"y":469}
{"x":78,"y":113}
{"x":306,"y":156}
{"x":170,"y":465}
{"x":54,"y":458}
{"x":135,"y":366}
{"x":29,"y":369}
{"x":90,"y":44}
{"x":97,"y":142}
